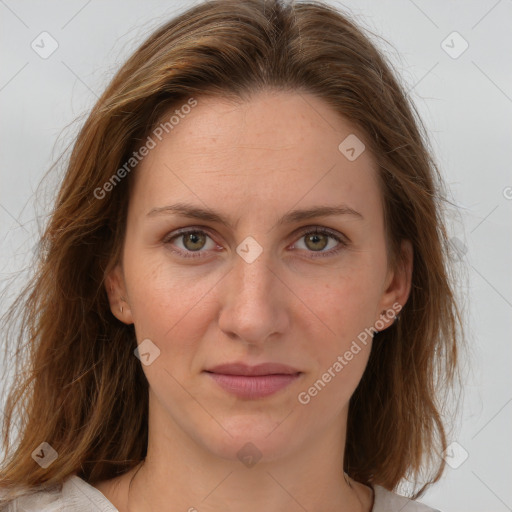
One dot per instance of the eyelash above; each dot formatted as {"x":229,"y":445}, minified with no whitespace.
{"x":317,"y":230}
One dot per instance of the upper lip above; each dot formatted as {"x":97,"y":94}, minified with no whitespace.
{"x":260,"y":369}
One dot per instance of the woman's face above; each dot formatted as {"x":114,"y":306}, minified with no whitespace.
{"x":252,"y":284}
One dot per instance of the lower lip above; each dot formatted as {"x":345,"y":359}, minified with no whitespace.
{"x":253,"y":386}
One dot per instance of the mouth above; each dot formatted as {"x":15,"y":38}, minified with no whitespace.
{"x":252,"y":382}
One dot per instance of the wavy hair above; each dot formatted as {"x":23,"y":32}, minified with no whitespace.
{"x":78,"y":385}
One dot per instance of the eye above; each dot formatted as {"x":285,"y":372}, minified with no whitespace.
{"x":193,"y":240}
{"x":317,"y":239}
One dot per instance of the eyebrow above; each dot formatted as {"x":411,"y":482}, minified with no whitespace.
{"x":195,"y":212}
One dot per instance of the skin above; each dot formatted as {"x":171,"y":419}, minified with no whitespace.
{"x":252,"y":162}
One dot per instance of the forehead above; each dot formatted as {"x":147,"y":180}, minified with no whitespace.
{"x":275,"y":147}
{"x":287,"y":122}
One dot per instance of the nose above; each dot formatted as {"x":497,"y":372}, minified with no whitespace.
{"x":254,"y":301}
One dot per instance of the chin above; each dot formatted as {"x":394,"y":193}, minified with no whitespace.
{"x":265,"y":440}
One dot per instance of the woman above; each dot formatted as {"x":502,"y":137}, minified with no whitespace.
{"x":234,"y":308}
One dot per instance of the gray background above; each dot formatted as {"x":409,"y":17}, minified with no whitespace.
{"x":466,"y":103}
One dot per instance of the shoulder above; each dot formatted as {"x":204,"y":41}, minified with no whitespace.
{"x":75,"y":495}
{"x":388,"y":501}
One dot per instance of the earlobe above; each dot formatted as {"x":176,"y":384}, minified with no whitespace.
{"x":403,"y":278}
{"x":116,"y":292}
{"x":398,"y":290}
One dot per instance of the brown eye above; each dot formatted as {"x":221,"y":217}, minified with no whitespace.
{"x":193,"y":240}
{"x":190,"y":243}
{"x":316,"y":241}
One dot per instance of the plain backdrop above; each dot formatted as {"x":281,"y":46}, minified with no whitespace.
{"x":455,"y":58}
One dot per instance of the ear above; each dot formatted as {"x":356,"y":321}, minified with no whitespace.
{"x":397,"y":288}
{"x":116,"y":291}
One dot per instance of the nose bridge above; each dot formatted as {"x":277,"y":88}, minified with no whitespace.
{"x":252,"y":309}
{"x":252,"y":276}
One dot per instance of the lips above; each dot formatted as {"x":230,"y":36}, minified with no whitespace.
{"x":260,"y":369}
{"x":252,"y":382}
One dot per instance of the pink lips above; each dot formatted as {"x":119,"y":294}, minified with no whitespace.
{"x":253,"y":381}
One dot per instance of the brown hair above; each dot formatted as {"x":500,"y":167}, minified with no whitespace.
{"x":81,"y":389}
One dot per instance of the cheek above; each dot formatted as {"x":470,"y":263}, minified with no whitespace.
{"x":347,"y":305}
{"x":341,"y":353}
{"x":339,"y":368}
{"x":167,"y":307}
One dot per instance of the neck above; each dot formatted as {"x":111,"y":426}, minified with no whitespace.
{"x":179,"y":474}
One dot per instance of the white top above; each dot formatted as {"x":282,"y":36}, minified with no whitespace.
{"x":79,"y":496}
